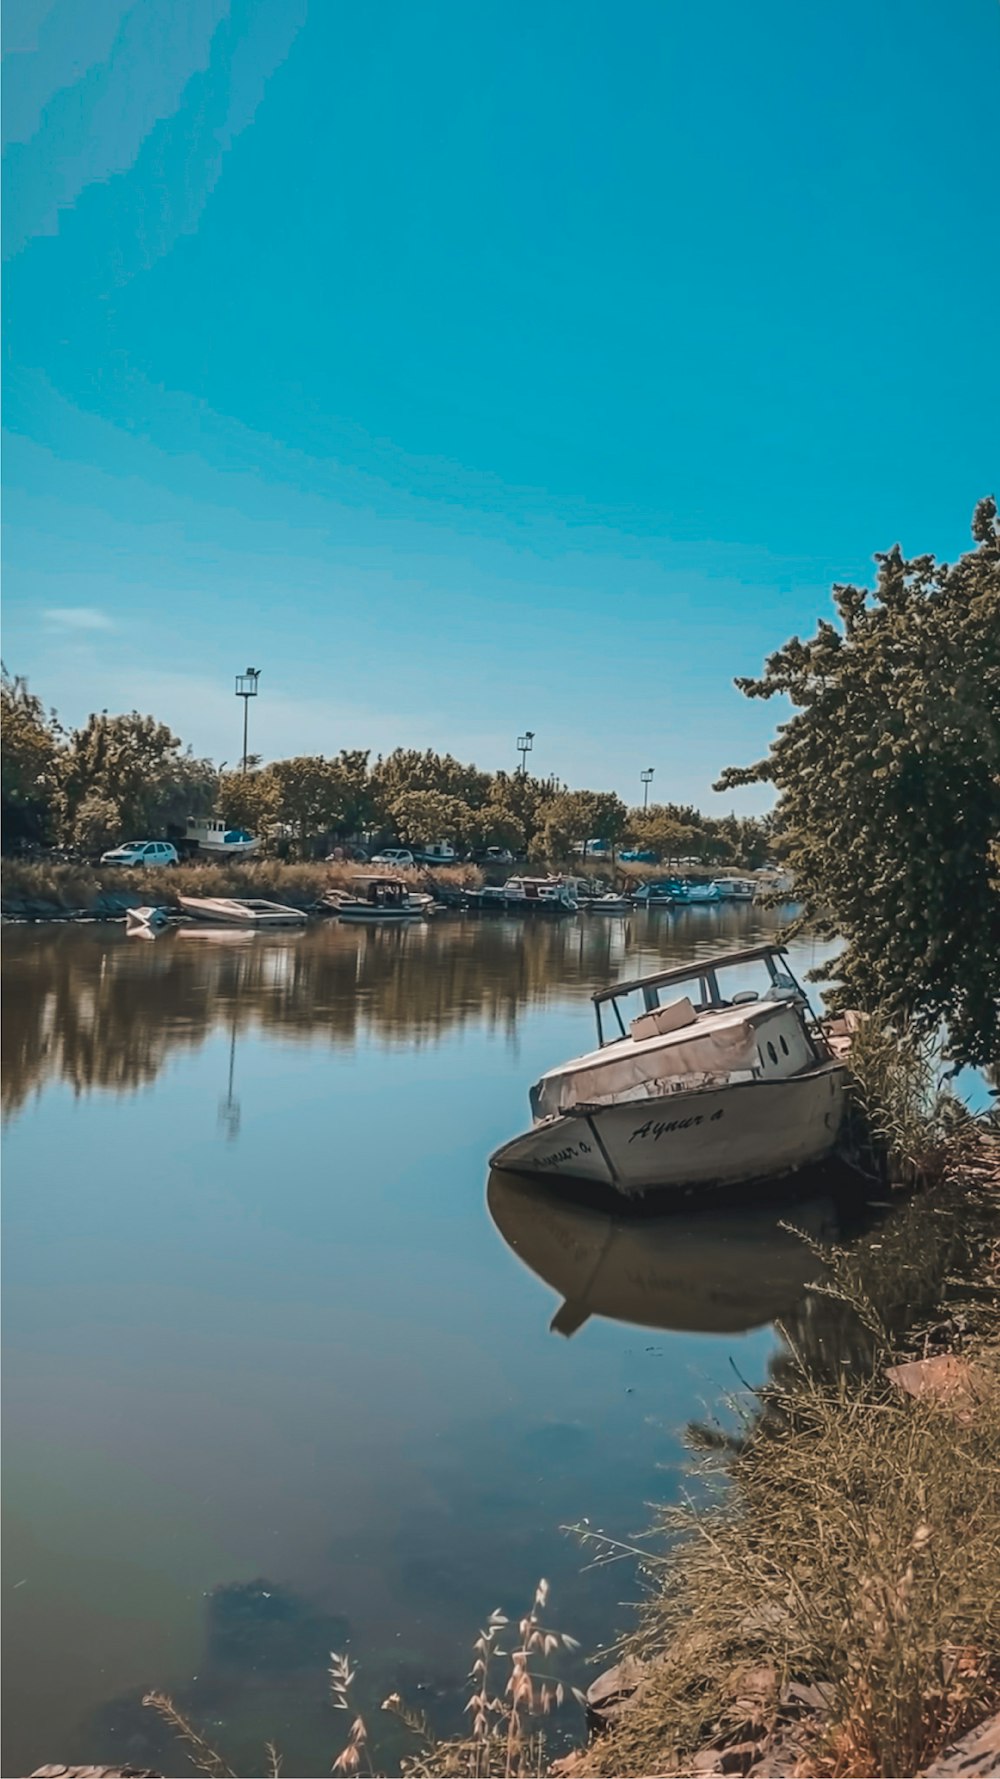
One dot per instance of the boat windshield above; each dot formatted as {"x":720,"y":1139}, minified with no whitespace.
{"x":711,"y":983}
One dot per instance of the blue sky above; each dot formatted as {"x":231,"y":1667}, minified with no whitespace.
{"x":470,"y":368}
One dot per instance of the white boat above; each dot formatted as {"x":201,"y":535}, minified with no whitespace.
{"x":241,"y":911}
{"x":609,"y":904}
{"x":719,"y":1270}
{"x":145,"y":920}
{"x":547,"y":895}
{"x":735,"y":889}
{"x":385,"y":899}
{"x":697,"y":895}
{"x":212,"y":837}
{"x":735,"y":1085}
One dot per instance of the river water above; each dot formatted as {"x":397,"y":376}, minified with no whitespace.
{"x":276,"y":1382}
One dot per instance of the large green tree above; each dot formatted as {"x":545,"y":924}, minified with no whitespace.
{"x":137,"y":766}
{"x":888,"y":775}
{"x":31,"y":742}
{"x":573,"y":817}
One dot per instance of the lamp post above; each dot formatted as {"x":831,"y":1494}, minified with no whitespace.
{"x":646,"y":779}
{"x":525,"y":743}
{"x":246,"y":688}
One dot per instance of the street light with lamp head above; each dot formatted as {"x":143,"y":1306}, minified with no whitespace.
{"x":525,"y":743}
{"x":646,"y":779}
{"x":246,"y":688}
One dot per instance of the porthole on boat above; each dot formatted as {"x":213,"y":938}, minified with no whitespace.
{"x":781,"y":1041}
{"x":772,"y":1053}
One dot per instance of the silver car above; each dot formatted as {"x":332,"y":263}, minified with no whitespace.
{"x":143,"y":853}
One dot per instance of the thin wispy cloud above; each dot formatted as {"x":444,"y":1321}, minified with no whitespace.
{"x":77,"y":617}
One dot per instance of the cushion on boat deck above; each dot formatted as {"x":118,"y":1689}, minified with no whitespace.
{"x":663,"y":1019}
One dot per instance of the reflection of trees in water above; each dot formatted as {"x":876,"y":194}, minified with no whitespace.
{"x":95,"y":1009}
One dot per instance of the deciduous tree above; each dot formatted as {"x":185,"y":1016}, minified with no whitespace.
{"x":888,"y":774}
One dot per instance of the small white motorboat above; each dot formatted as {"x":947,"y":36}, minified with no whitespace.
{"x":609,"y":904}
{"x":145,"y":920}
{"x":241,"y":911}
{"x":385,"y":899}
{"x":725,"y":1085}
{"x":217,"y":841}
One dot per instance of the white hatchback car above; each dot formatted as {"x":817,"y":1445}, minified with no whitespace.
{"x":141,"y":852}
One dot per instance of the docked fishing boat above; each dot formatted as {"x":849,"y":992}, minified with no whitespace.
{"x":540,"y":895}
{"x":735,"y":889}
{"x":241,"y":911}
{"x":698,"y":1080}
{"x":700,"y":895}
{"x":665,"y":893}
{"x":210,"y":835}
{"x":385,"y":899}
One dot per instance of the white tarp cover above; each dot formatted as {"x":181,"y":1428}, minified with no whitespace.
{"x":720,"y":1045}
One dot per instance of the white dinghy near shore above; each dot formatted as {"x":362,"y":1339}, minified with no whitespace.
{"x":723,"y":1085}
{"x":241,"y":911}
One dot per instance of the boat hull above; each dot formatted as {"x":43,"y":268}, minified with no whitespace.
{"x":223,"y":912}
{"x":752,"y":1130}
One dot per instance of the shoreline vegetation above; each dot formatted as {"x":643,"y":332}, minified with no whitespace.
{"x":35,"y":889}
{"x":40,"y":889}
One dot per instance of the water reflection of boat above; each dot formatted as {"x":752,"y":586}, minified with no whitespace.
{"x":718,"y":1271}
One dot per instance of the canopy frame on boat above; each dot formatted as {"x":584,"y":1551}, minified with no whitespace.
{"x":705,"y":972}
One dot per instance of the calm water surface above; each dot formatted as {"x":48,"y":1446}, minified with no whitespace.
{"x":276,"y":1379}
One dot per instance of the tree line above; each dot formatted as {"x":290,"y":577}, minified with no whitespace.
{"x":127,"y":776}
{"x":887,"y":776}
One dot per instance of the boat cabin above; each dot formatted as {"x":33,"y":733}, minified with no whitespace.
{"x":719,"y":1033}
{"x":734,"y":979}
{"x":383,"y":892}
{"x":212,"y":832}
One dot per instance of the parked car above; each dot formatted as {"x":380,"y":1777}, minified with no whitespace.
{"x":637,"y":856}
{"x":495,"y":855}
{"x":397,"y":858}
{"x":141,"y":852}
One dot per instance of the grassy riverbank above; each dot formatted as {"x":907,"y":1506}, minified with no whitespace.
{"x":834,"y":1596}
{"x":40,"y":889}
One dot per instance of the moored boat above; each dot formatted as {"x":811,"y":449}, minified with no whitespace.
{"x":146,"y":920}
{"x":664,"y":893}
{"x":385,"y":899}
{"x":539,"y":895}
{"x":734,"y":1085}
{"x":700,"y":895}
{"x":609,"y":904}
{"x":735,"y":889}
{"x":212,"y":837}
{"x":241,"y":911}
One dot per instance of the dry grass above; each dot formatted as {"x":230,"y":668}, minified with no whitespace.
{"x":505,"y":1705}
{"x":68,"y":887}
{"x":906,"y":1118}
{"x":854,"y":1540}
